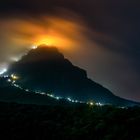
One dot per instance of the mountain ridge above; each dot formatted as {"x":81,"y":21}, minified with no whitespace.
{"x":46,"y":69}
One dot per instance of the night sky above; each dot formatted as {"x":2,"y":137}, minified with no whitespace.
{"x":100,"y":36}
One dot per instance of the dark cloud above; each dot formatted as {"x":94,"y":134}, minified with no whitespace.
{"x":112,"y":25}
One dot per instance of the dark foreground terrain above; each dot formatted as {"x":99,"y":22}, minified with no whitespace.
{"x":34,"y":122}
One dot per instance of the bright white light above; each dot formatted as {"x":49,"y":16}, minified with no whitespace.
{"x":13,"y":81}
{"x":57,"y":98}
{"x":9,"y":80}
{"x":51,"y":95}
{"x":99,"y":104}
{"x":76,"y":101}
{"x":16,"y":85}
{"x":3,"y":71}
{"x":72,"y":101}
{"x":69,"y":99}
{"x":27,"y":90}
{"x":14,"y":77}
{"x":91,"y":103}
{"x":42,"y":93}
{"x":34,"y":47}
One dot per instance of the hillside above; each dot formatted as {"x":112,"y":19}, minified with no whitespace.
{"x":10,"y":93}
{"x":46,"y":69}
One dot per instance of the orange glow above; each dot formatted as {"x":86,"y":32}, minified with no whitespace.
{"x":69,"y":34}
{"x":60,"y":33}
{"x":52,"y":31}
{"x":50,"y":40}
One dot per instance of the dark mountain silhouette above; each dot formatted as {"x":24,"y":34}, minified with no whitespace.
{"x":46,"y":69}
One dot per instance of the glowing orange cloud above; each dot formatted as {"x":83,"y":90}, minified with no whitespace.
{"x":62,"y":33}
{"x":70,"y":35}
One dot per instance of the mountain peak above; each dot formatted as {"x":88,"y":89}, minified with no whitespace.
{"x":42,"y":53}
{"x":46,"y":47}
{"x":46,"y":69}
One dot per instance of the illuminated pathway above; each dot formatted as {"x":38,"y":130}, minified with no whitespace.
{"x":13,"y":78}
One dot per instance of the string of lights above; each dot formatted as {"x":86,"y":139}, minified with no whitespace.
{"x":13,"y":78}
